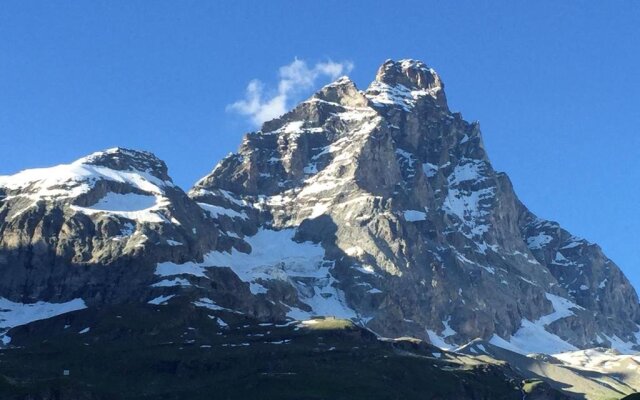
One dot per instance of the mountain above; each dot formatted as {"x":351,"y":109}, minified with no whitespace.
{"x":376,"y":206}
{"x":93,"y":228}
{"x":423,"y":236}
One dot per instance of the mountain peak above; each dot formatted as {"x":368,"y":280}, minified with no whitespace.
{"x":123,"y":159}
{"x":413,"y":74}
{"x":139,"y":169}
{"x":402,"y":83}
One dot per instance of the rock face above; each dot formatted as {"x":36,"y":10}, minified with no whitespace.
{"x":380,"y":206}
{"x":95,"y":229}
{"x":424,"y":236}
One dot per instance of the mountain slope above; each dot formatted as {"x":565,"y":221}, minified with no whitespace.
{"x":604,"y":376}
{"x":179,"y":351}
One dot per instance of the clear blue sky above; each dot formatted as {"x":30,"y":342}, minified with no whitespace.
{"x":555,"y":85}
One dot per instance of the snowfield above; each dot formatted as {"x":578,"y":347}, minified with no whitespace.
{"x":276,"y":256}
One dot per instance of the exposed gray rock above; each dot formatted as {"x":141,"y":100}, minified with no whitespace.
{"x":427,"y":239}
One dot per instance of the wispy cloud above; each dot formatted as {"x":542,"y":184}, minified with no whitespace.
{"x":261,"y":105}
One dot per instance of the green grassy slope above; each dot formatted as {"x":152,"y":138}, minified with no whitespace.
{"x":182,"y":352}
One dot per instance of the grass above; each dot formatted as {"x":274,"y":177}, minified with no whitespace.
{"x":180,"y":352}
{"x":329,"y":324}
{"x":529,"y":385}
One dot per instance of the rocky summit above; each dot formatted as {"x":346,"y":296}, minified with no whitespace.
{"x":377,"y":206}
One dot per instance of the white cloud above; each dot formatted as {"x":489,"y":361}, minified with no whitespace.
{"x":295,"y":78}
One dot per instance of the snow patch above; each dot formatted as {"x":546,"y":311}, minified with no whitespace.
{"x":415,"y":215}
{"x":467,"y":206}
{"x":311,"y":168}
{"x":71,"y":180}
{"x":532,"y":337}
{"x":382,"y":94}
{"x":217,"y":211}
{"x":538,"y":241}
{"x":408,"y":157}
{"x":621,"y":345}
{"x":172,"y":282}
{"x":438,"y":340}
{"x":448,"y":331}
{"x":472,"y":170}
{"x":160,"y":299}
{"x":292,"y":127}
{"x":210,"y":304}
{"x":14,"y":314}
{"x":117,"y":202}
{"x":318,"y":210}
{"x":562,"y":309}
{"x":137,"y":207}
{"x":430,"y":170}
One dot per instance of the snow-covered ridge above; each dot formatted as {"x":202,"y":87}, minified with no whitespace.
{"x":69,"y":181}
